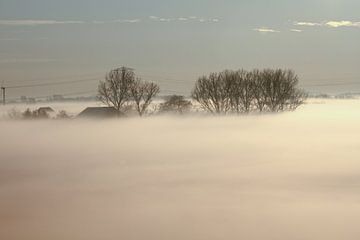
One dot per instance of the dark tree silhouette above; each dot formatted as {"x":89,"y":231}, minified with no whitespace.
{"x":143,"y":94}
{"x":212,"y":93}
{"x":242,"y":91}
{"x":279,"y":90}
{"x":258,"y":90}
{"x":175,"y":104}
{"x":241,"y":87}
{"x":115,"y":91}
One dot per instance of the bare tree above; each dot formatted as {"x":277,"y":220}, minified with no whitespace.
{"x":175,"y":104}
{"x":258,"y":90}
{"x":279,"y":89}
{"x":212,"y":93}
{"x":241,"y":90}
{"x":115,"y":91}
{"x":143,"y":94}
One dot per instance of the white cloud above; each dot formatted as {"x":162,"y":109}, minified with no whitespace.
{"x":164,"y":19}
{"x":208,"y":20}
{"x":183,"y":19}
{"x":36,"y":22}
{"x":98,"y":22}
{"x":266,"y":30}
{"x":332,"y":24}
{"x":336,"y":24}
{"x":118,"y":21}
{"x":308,"y":24}
{"x":296,"y":30}
{"x":129,"y":21}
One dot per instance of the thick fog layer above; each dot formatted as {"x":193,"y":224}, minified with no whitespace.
{"x":275,"y":177}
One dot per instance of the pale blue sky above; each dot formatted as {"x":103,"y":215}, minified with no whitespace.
{"x":174,"y":42}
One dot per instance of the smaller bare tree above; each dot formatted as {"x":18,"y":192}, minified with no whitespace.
{"x":212,"y":93}
{"x":175,"y":104}
{"x":115,"y":91}
{"x":143,"y":94}
{"x":280,"y":90}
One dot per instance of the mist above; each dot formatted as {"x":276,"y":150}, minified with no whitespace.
{"x":275,"y":176}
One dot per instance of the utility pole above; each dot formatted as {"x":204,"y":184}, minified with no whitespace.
{"x":3,"y":95}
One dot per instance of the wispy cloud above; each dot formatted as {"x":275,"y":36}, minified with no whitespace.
{"x":336,"y":24}
{"x":331,"y":24}
{"x":296,"y":30}
{"x":129,"y":21}
{"x":165,"y":19}
{"x":36,"y":22}
{"x":135,"y":20}
{"x":184,"y":19}
{"x":266,"y":30}
{"x":308,"y":24}
{"x":118,"y":21}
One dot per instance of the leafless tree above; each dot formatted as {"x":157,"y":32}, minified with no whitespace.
{"x":279,"y":89}
{"x":115,"y":91}
{"x":258,"y":90}
{"x":143,"y":94}
{"x":212,"y":93}
{"x":241,"y":90}
{"x":175,"y":104}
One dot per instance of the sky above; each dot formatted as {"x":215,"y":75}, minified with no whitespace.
{"x":174,"y":42}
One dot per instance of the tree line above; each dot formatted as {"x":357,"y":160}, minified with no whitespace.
{"x":225,"y":92}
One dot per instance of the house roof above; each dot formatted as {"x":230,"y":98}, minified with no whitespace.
{"x":100,"y":112}
{"x":45,"y":109}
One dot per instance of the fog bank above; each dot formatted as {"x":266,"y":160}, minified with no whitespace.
{"x":275,"y":177}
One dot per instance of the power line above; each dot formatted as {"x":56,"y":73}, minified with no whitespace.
{"x":53,"y":83}
{"x":64,"y":94}
{"x":60,"y":78}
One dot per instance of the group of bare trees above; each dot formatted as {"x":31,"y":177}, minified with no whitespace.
{"x":247,"y":91}
{"x":239,"y":92}
{"x":122,"y":90}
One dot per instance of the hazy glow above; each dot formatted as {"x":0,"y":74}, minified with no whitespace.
{"x":286,"y":176}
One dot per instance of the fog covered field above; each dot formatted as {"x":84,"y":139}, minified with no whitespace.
{"x":275,"y":177}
